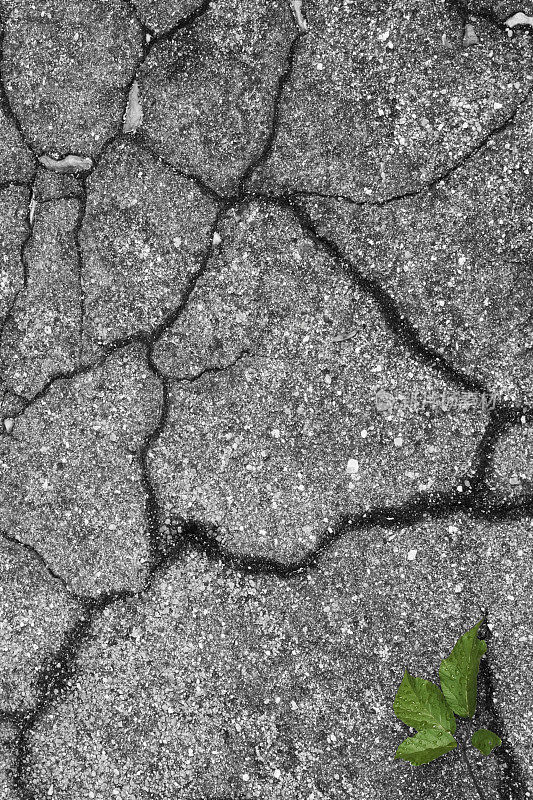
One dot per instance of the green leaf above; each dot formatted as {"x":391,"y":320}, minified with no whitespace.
{"x":421,"y":705}
{"x":458,"y":673}
{"x":426,"y":746}
{"x":485,"y":741}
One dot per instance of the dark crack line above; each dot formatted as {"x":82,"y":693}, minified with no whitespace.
{"x":134,"y":11}
{"x":471,"y":773}
{"x":56,"y":197}
{"x":211,"y":370}
{"x":169,"y":320}
{"x":143,"y":142}
{"x":397,"y":322}
{"x":146,"y":47}
{"x":28,"y":402}
{"x":487,"y":14}
{"x":82,"y":210}
{"x":185,"y":22}
{"x":15,"y":182}
{"x":502,"y":417}
{"x":513,"y":783}
{"x":59,"y":671}
{"x":483,"y":143}
{"x":270,"y":140}
{"x":26,"y":241}
{"x":156,"y":540}
{"x":38,"y":557}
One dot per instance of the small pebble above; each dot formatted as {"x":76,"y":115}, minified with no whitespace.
{"x":519,"y":19}
{"x":352,"y":467}
{"x":8,"y":424}
{"x":398,"y":441}
{"x":470,"y":38}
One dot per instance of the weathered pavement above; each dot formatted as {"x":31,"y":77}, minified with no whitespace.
{"x":267,"y":403}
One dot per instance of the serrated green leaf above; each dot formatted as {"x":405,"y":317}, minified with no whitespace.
{"x":426,"y":746}
{"x":485,"y":741}
{"x":421,"y":705}
{"x":458,"y":673}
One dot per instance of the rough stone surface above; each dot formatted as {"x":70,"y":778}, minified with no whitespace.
{"x":513,"y":463}
{"x":13,"y":233}
{"x":458,"y":262}
{"x":274,"y":449}
{"x":35,"y":612}
{"x":255,"y":256}
{"x":66,"y":67}
{"x":161,"y":15}
{"x":495,"y":9}
{"x":8,"y":736}
{"x":55,"y":186}
{"x":223,"y":685}
{"x":16,"y":163}
{"x":208,"y":93}
{"x":385,"y":98}
{"x":145,"y":233}
{"x":42,"y":335}
{"x":71,"y":483}
{"x":507,"y":583}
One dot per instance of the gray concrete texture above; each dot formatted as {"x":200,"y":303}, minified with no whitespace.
{"x":266,"y":361}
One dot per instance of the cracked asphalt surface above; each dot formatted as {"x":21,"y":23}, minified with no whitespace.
{"x":266,"y":360}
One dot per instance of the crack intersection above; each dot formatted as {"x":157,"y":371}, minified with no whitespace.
{"x":168,"y":545}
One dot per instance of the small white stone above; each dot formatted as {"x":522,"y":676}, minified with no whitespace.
{"x":519,"y":19}
{"x":216,"y":239}
{"x":275,"y":433}
{"x":398,"y":441}
{"x":246,"y":777}
{"x":364,"y":434}
{"x":277,"y":774}
{"x":320,"y":66}
{"x":411,"y":555}
{"x":470,"y":37}
{"x":352,"y":467}
{"x":8,"y":424}
{"x":459,"y":588}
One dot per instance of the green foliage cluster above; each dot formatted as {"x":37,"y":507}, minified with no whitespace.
{"x":431,"y":712}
